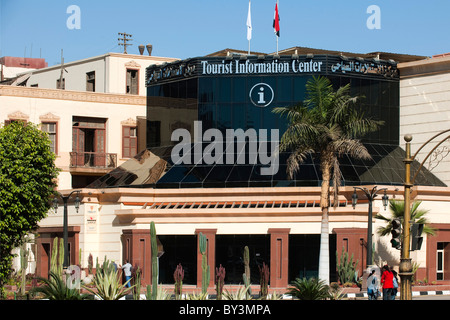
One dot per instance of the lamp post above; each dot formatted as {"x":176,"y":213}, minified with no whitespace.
{"x":370,"y":194}
{"x":406,"y":270}
{"x":77,"y":202}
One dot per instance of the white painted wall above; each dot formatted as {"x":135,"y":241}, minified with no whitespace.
{"x":64,"y":109}
{"x":424,"y":112}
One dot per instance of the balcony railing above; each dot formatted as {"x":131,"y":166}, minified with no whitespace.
{"x":93,"y":160}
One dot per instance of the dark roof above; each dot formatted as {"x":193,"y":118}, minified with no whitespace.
{"x":304,"y":51}
{"x":225,"y":52}
{"x":154,"y":168}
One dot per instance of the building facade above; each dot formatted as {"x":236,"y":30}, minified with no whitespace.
{"x":94,"y":122}
{"x":232,"y":200}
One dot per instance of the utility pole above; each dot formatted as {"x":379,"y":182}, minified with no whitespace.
{"x":125,"y":38}
{"x":61,"y":77}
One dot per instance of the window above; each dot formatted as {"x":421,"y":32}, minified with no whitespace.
{"x":132,"y":81}
{"x":88,"y":142}
{"x":440,"y":261}
{"x":9,"y":121}
{"x":50,"y":128}
{"x":59,"y":86}
{"x":129,"y":141}
{"x":90,"y":81}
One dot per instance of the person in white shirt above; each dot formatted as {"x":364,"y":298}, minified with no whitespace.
{"x":127,"y":270}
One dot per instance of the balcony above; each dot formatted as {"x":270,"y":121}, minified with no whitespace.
{"x":92,"y":162}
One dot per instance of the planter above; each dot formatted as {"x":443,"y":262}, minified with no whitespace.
{"x":22,"y":297}
{"x":87,"y":279}
{"x":350,"y":290}
{"x":11,"y":288}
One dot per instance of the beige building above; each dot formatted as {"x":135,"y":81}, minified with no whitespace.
{"x":425,"y":109}
{"x":95,"y":123}
{"x":425,"y":114}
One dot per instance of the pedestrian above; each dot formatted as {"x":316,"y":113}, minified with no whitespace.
{"x":387,"y":282}
{"x":127,"y":270}
{"x":372,"y":286}
{"x":114,"y":265}
{"x":395,"y":284}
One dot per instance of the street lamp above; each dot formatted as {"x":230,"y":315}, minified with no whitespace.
{"x":370,"y":194}
{"x":65,"y":231}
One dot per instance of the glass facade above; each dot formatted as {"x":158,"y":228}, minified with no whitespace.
{"x":219,"y":94}
{"x":224,"y":103}
{"x":223,"y":93}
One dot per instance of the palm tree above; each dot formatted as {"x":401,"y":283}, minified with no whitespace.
{"x":397,"y":208}
{"x":326,"y":124}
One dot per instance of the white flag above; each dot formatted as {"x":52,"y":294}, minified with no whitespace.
{"x":249,"y":23}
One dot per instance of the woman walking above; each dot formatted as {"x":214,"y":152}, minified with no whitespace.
{"x":372,"y":286}
{"x":395,"y":284}
{"x":387,"y":282}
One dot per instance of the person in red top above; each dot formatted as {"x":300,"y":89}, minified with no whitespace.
{"x":387,"y":278}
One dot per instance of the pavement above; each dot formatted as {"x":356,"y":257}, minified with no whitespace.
{"x":415,"y":294}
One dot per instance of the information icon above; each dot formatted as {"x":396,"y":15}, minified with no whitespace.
{"x":261,"y":95}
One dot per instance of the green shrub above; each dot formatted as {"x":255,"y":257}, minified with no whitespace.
{"x":309,"y":289}
{"x":55,"y":288}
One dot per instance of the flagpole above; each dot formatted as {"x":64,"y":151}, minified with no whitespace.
{"x":249,"y":26}
{"x":276,"y":22}
{"x":278,"y":5}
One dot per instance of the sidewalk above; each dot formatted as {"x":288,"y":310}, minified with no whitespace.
{"x":363,"y":295}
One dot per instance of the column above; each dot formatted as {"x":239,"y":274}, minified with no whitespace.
{"x":279,"y":257}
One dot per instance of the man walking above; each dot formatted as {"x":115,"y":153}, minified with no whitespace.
{"x":127,"y":270}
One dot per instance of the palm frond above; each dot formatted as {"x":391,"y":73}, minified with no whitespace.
{"x":295,"y":159}
{"x":353,"y":147}
{"x":397,"y":208}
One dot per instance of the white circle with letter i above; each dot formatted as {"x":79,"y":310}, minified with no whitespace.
{"x":261,"y":95}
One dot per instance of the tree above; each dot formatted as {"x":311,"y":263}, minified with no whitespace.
{"x":27,"y":180}
{"x":327,"y":124}
{"x":397,"y":208}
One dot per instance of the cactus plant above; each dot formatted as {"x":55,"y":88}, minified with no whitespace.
{"x":137,"y":284}
{"x":54,"y":256}
{"x":154,"y":247}
{"x":90,"y":263}
{"x":178,"y":276}
{"x":61,"y":257}
{"x":220,"y":281}
{"x":57,"y":258}
{"x":205,"y":267}
{"x":264,"y":280}
{"x":346,"y":267}
{"x":106,"y":267}
{"x":246,"y":274}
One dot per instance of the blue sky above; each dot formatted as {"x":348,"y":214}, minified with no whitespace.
{"x":190,"y":28}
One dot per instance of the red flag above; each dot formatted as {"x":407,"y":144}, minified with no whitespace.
{"x":276,"y":21}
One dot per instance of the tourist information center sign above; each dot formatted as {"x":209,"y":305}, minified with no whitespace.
{"x":273,"y":65}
